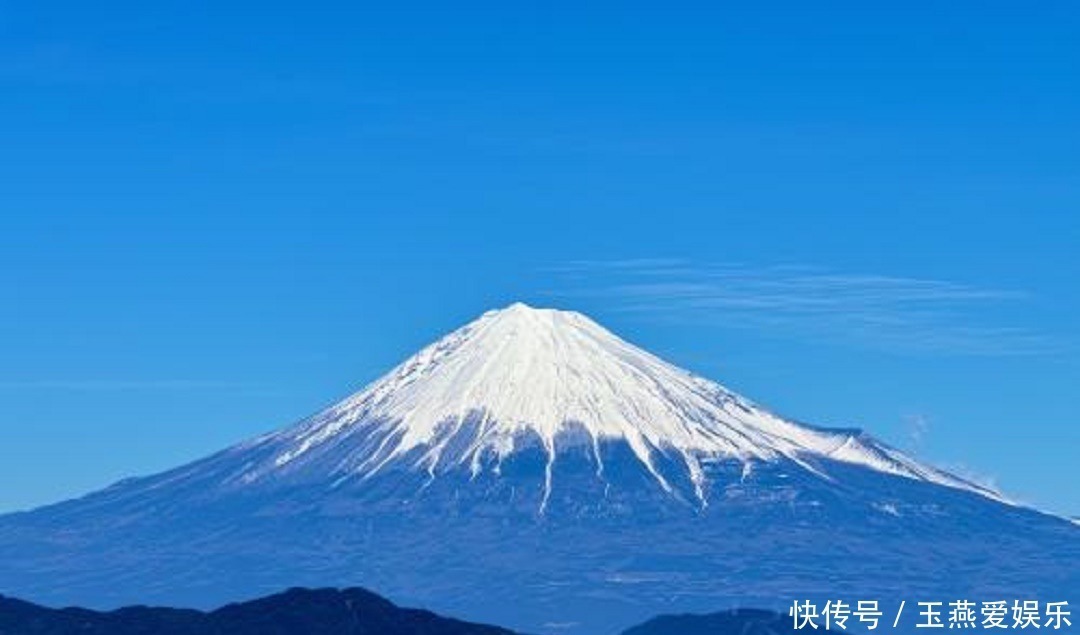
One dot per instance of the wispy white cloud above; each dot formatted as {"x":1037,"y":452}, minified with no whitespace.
{"x":887,"y":312}
{"x":917,"y":427}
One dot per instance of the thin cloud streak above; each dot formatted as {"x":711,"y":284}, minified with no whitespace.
{"x":892,"y":313}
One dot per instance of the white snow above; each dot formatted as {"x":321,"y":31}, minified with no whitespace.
{"x":545,"y":371}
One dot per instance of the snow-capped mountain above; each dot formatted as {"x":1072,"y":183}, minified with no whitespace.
{"x":533,"y":469}
{"x":524,"y":376}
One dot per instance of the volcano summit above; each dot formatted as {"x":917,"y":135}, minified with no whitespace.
{"x":535,"y":470}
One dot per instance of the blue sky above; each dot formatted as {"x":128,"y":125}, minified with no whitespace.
{"x":218,"y":219}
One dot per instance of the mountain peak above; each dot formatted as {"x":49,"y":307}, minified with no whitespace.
{"x":520,"y":308}
{"x":523,"y":376}
{"x":531,"y":316}
{"x":528,"y":317}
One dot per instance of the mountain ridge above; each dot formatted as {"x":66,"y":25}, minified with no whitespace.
{"x":296,"y":611}
{"x":529,"y":523}
{"x":349,"y":611}
{"x":522,"y":374}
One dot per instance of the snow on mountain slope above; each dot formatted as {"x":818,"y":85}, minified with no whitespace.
{"x":522,"y":374}
{"x":533,"y":469}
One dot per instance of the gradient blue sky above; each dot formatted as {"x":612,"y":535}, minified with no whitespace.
{"x":217,"y":219}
